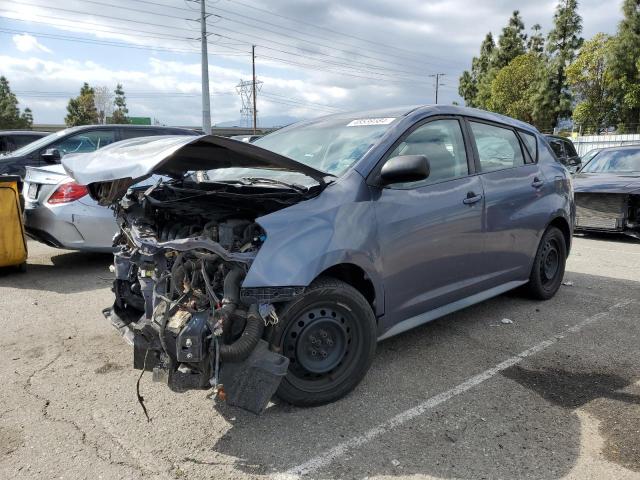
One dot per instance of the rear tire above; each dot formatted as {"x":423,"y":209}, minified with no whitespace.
{"x":548,"y":266}
{"x":329,"y":336}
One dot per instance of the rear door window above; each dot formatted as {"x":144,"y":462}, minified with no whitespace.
{"x":498,"y":147}
{"x":88,"y":141}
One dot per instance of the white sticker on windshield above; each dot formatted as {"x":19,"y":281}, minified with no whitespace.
{"x":363,"y":122}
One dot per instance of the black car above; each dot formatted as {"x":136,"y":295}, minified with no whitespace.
{"x":607,"y":192}
{"x":565,"y":152}
{"x":11,"y":140}
{"x":50,"y":149}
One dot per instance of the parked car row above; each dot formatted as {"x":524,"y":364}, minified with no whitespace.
{"x":295,"y":252}
{"x":58,"y":211}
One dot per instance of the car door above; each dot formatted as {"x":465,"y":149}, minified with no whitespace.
{"x":513,"y":187}
{"x":430,"y":232}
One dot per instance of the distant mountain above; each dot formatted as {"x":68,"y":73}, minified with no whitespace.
{"x":266,"y":122}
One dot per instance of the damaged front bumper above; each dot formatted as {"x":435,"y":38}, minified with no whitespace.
{"x":608,"y":213}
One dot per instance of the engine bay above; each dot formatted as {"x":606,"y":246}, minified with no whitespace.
{"x":183,"y":250}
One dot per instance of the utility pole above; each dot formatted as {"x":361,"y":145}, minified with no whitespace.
{"x":438,"y":84}
{"x":255,"y":104}
{"x":206,"y":101}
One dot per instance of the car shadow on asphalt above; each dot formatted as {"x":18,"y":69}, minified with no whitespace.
{"x":69,"y":272}
{"x":519,"y":424}
{"x":608,"y":237}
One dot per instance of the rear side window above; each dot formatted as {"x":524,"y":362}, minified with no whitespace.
{"x":87,"y":141}
{"x":556,"y":146}
{"x":442,"y":143}
{"x":498,"y":148}
{"x":531,"y":144}
{"x":571,"y":151}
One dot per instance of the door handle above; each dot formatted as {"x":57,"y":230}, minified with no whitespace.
{"x":472,"y":198}
{"x":537,"y":183}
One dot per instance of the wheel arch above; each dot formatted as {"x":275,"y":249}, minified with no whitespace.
{"x":356,"y":276}
{"x":562,"y":224}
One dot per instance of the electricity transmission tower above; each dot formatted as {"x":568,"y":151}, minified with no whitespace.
{"x":246,"y":91}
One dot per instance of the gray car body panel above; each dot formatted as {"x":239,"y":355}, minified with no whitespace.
{"x":354,"y":222}
{"x":341,"y":226}
{"x":78,"y":225}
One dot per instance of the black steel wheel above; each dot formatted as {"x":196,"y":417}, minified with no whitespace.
{"x":329,"y":336}
{"x":548,"y":266}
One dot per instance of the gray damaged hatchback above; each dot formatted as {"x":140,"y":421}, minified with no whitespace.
{"x":275,"y":267}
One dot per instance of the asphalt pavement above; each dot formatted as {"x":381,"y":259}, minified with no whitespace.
{"x":553,"y":394}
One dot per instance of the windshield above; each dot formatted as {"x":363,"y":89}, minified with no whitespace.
{"x":615,"y":161}
{"x":41,"y":142}
{"x":330,"y":145}
{"x":589,"y":155}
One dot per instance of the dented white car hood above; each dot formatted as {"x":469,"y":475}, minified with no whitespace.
{"x":175,"y":155}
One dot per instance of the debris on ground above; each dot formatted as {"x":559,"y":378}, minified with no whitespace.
{"x":395,"y":463}
{"x":506,"y":321}
{"x":568,"y":283}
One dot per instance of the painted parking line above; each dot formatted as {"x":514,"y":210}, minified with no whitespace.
{"x":329,"y":456}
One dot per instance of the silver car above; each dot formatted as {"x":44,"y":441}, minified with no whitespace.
{"x":60,"y":212}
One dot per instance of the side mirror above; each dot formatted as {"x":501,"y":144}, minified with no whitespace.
{"x":51,"y":155}
{"x":404,"y":168}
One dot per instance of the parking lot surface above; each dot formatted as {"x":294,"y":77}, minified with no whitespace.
{"x":554,"y":394}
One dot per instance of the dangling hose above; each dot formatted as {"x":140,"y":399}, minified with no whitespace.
{"x":242,"y":348}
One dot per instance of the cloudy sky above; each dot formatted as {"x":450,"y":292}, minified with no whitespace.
{"x":313,"y":56}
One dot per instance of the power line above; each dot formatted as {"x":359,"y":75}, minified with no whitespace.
{"x":218,"y":27}
{"x":378,"y":44}
{"x":108,"y":43}
{"x":332,"y":47}
{"x":313,"y":67}
{"x":301,"y":100}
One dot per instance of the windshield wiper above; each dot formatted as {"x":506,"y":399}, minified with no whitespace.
{"x":273,"y":181}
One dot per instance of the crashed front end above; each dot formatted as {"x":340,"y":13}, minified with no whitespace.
{"x":608,"y":213}
{"x":182,"y":252}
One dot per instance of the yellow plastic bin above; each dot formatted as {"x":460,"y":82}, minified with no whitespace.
{"x":13,"y":244}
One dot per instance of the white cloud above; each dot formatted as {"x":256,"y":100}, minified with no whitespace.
{"x":27,"y":43}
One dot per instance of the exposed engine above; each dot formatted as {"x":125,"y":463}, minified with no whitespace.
{"x":183,"y":251}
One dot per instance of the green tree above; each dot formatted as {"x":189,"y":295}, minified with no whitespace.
{"x":563,"y":43}
{"x":82,"y":109}
{"x":120,"y":102}
{"x":535,"y":44}
{"x":511,"y":43}
{"x":10,"y":116}
{"x":625,"y":66}
{"x":469,"y":81}
{"x":592,"y":82}
{"x":514,"y":89}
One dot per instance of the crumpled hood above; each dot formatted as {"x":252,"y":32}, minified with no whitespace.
{"x":175,"y":155}
{"x":606,"y":183}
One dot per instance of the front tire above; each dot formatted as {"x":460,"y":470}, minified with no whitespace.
{"x":548,"y":265}
{"x":329,"y":336}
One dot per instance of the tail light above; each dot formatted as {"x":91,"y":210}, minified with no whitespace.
{"x":68,"y":192}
